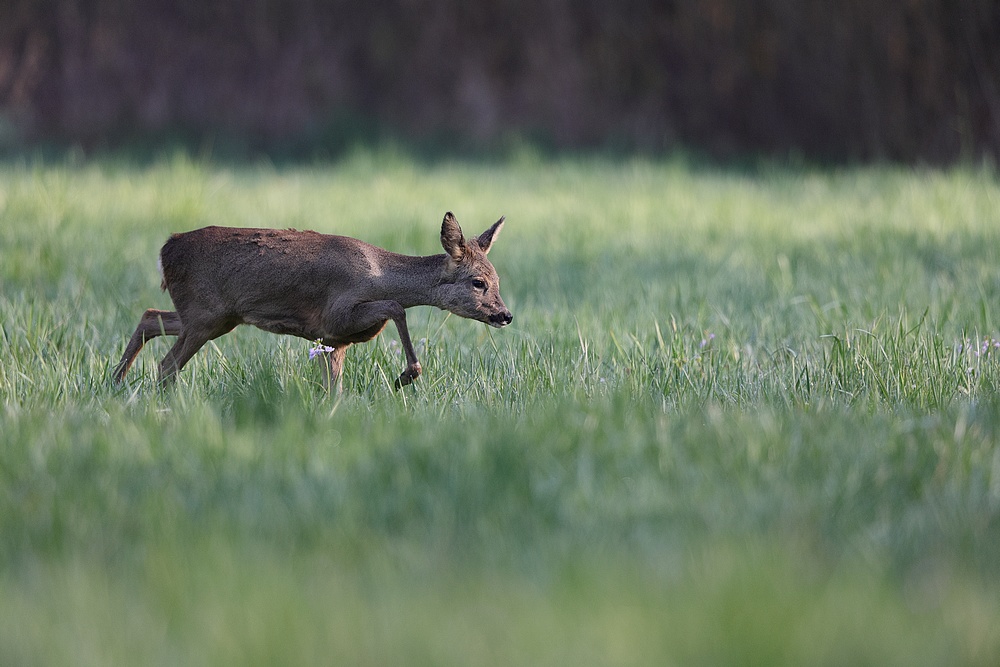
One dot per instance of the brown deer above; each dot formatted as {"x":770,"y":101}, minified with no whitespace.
{"x":333,"y":289}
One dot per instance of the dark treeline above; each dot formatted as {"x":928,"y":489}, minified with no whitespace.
{"x":911,"y":80}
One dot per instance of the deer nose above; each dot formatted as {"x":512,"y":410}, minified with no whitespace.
{"x":501,"y":319}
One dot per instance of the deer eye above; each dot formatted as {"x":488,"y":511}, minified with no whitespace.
{"x":478,"y":284}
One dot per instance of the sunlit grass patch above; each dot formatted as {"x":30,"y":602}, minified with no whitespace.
{"x":739,"y":417}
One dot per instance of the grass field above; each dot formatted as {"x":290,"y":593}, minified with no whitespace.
{"x":741,"y":417}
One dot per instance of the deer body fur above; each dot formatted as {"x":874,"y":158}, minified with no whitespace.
{"x":334,"y":289}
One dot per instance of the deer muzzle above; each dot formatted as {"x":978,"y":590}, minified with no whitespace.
{"x":501,"y":319}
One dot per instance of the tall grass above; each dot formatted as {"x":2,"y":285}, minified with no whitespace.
{"x":740,"y":417}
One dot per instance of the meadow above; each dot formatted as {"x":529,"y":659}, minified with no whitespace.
{"x":742,"y":416}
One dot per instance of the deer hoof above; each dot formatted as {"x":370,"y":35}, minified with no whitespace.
{"x":408,"y":376}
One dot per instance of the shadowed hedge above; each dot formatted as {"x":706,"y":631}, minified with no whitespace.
{"x":911,"y":80}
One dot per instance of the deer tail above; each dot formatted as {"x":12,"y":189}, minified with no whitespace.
{"x":163,"y":278}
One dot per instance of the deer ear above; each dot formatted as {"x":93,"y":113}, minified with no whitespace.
{"x":451,"y":237}
{"x":487,"y":238}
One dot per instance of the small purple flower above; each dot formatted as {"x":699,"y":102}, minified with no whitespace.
{"x":988,"y":346}
{"x":319,"y":349}
{"x":706,"y":341}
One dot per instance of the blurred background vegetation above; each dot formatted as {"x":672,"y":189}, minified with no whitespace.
{"x":902,"y":80}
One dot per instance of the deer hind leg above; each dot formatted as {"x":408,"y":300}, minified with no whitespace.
{"x":190,"y":340}
{"x":152,"y":324}
{"x":181,"y":353}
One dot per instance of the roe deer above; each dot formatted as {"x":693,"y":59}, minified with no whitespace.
{"x":334,"y":289}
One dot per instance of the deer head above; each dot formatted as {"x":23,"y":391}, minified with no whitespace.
{"x":470,"y":286}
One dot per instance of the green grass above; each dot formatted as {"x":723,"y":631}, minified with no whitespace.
{"x":741,"y":417}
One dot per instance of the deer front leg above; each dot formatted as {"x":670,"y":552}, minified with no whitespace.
{"x":365,"y":322}
{"x":412,"y":370}
{"x":333,"y":367}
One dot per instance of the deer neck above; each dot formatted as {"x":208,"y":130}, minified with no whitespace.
{"x":412,"y":281}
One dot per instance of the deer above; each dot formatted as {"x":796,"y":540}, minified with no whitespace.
{"x":337,"y":290}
